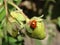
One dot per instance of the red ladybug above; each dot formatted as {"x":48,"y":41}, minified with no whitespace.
{"x":33,"y":24}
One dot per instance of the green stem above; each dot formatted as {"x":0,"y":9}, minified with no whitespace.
{"x":0,"y":41}
{"x":6,"y":9}
{"x":5,"y":23}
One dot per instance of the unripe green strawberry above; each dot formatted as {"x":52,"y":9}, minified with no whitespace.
{"x":35,"y":28}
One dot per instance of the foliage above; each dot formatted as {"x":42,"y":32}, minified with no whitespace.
{"x":13,"y":21}
{"x":9,"y":27}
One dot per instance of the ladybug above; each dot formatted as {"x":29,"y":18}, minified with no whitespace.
{"x":33,"y":24}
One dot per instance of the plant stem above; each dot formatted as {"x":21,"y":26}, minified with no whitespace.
{"x":5,"y":23}
{"x":5,"y":1}
{"x":0,"y":41}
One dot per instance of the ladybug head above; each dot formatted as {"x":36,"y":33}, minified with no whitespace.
{"x":33,"y":24}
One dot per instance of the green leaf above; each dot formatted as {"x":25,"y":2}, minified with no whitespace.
{"x":12,"y":40}
{"x":17,"y":1}
{"x":10,"y":7}
{"x":1,"y":33}
{"x":17,"y":15}
{"x":21,"y":25}
{"x":1,"y":2}
{"x":2,"y":13}
{"x":11,"y":29}
{"x":20,"y":38}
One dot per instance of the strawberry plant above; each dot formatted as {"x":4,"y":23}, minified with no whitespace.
{"x":13,"y":21}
